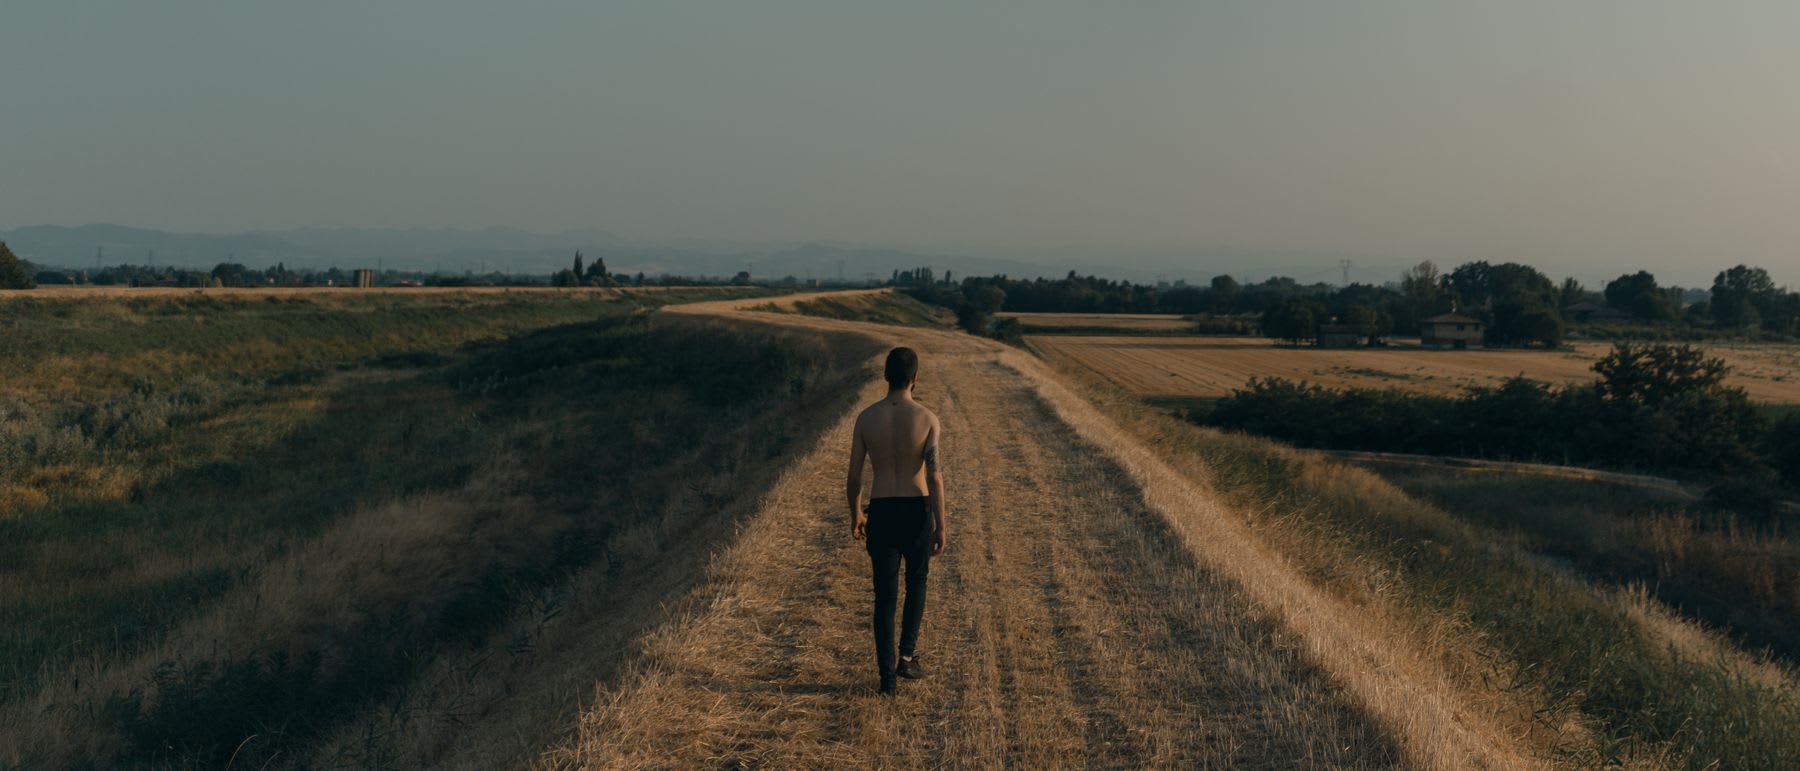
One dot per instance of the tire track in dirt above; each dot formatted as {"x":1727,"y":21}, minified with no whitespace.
{"x":1064,"y":626}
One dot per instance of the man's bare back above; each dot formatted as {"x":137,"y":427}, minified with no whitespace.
{"x":900,"y":437}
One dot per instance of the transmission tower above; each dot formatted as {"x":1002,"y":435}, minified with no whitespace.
{"x":1345,"y":266}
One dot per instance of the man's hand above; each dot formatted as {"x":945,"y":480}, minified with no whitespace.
{"x":859,"y":526}
{"x":939,"y":540}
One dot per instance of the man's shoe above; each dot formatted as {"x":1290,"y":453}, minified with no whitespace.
{"x":911,"y":669}
{"x":889,"y":686}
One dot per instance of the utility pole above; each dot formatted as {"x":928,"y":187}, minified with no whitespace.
{"x":99,"y":255}
{"x":840,"y":264}
{"x":1345,"y":265}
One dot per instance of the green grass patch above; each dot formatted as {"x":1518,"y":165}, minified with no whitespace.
{"x":1714,"y":567}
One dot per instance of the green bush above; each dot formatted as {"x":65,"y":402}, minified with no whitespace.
{"x":1654,"y":407}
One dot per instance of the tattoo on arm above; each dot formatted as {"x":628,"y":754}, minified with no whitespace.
{"x":931,"y":458}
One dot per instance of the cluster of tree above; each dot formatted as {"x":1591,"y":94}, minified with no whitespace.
{"x":1518,"y":305}
{"x":975,"y":302}
{"x":1653,"y":407}
{"x":592,"y":275}
{"x":14,"y":272}
{"x":1745,"y":297}
{"x":918,"y":277}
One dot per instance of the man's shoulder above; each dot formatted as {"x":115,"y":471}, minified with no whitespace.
{"x":868,"y":411}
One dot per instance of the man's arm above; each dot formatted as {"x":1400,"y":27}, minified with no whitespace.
{"x":853,"y":482}
{"x":934,"y":488}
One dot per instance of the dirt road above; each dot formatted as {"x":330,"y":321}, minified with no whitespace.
{"x":1068,"y":625}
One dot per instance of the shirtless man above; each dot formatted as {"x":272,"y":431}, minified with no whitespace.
{"x":905,"y":518}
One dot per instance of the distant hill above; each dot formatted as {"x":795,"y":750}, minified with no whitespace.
{"x":455,"y":251}
{"x":76,"y":247}
{"x":509,"y":249}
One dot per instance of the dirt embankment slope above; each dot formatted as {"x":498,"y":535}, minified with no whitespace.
{"x":1095,"y":609}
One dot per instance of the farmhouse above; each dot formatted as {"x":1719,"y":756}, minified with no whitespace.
{"x":1338,"y":336}
{"x":1451,"y":330}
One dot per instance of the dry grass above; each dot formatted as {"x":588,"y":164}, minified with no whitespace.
{"x":1215,"y":366}
{"x":1436,"y":721}
{"x":382,"y":557}
{"x":500,"y":702}
{"x":1737,"y":574}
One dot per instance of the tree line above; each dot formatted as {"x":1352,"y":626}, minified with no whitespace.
{"x":1519,"y":304}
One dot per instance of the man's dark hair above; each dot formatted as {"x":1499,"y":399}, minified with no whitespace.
{"x":902,"y":366}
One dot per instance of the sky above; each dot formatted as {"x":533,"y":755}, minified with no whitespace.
{"x":1587,"y":138}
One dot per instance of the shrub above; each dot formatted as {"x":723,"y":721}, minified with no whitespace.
{"x":1654,"y":406}
{"x":13,"y":272}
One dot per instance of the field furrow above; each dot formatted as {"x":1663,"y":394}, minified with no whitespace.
{"x":1206,"y":367}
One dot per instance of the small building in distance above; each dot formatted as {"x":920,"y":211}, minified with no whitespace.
{"x":1450,"y":330}
{"x":1338,"y":336}
{"x":365,"y":278}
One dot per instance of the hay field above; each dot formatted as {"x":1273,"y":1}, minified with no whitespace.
{"x":1120,"y":323}
{"x":1214,"y":366}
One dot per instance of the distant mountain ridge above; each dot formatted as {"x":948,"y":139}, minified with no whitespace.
{"x":452,"y":250}
{"x":496,"y":248}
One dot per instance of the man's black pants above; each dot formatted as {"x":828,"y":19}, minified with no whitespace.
{"x":899,"y":530}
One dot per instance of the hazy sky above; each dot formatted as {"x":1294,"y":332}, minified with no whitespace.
{"x":1584,"y":137}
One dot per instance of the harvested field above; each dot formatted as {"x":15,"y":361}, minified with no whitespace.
{"x":1119,"y":323}
{"x":1214,"y":366}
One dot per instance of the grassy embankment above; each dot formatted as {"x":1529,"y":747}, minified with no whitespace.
{"x":876,"y":307}
{"x":232,"y":521}
{"x":1590,"y":673}
{"x":1693,"y":556}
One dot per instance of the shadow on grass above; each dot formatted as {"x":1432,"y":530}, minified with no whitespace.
{"x":592,"y":428}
